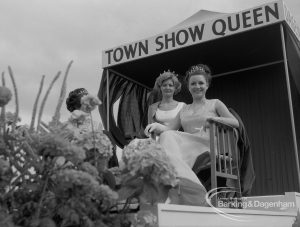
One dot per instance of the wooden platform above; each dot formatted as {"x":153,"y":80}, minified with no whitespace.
{"x":188,"y":216}
{"x":290,"y":202}
{"x":258,"y":215}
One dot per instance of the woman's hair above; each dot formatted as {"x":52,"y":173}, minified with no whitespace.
{"x":73,"y":101}
{"x":166,"y":76}
{"x":199,"y":69}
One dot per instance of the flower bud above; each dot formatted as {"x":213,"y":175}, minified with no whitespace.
{"x":5,"y":96}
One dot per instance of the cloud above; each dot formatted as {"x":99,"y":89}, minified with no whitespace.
{"x":41,"y":37}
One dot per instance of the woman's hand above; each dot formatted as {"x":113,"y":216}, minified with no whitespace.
{"x":222,"y":120}
{"x":208,"y":119}
{"x":155,"y":128}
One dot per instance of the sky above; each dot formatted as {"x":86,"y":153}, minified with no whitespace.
{"x":40,"y":37}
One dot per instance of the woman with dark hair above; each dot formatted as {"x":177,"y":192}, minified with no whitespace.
{"x":184,"y":147}
{"x":81,"y":104}
{"x":73,"y":101}
{"x":81,"y":111}
{"x":164,"y":111}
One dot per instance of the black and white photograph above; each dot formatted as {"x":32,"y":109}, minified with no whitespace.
{"x":135,"y":113}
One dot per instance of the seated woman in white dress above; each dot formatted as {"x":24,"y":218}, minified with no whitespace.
{"x":165,"y":111}
{"x":184,"y":147}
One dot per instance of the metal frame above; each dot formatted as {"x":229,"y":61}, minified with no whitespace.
{"x":107,"y":100}
{"x":290,"y":104}
{"x":292,"y":119}
{"x":248,"y":68}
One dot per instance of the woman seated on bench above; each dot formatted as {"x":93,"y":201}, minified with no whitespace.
{"x":184,"y":147}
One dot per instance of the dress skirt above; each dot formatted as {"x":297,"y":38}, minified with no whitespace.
{"x":183,"y":148}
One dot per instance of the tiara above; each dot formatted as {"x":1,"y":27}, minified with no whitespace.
{"x":168,"y":73}
{"x":79,"y":91}
{"x":196,"y":68}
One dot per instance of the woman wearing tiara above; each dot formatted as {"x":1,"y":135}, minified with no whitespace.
{"x":184,"y":147}
{"x":81,"y":121}
{"x":164,"y":111}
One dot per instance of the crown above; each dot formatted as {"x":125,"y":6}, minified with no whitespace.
{"x":168,"y":73}
{"x":196,"y":68}
{"x":79,"y":91}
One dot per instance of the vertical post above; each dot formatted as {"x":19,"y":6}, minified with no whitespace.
{"x":290,"y":105}
{"x":224,"y":150}
{"x":229,"y":138}
{"x":213,"y":129}
{"x":107,"y":100}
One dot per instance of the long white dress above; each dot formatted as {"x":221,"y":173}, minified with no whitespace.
{"x":165,"y":117}
{"x":184,"y":147}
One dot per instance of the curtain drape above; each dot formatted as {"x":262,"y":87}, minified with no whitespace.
{"x":132,"y":108}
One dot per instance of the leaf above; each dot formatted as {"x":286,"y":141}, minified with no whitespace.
{"x":109,"y":179}
{"x":87,"y":222}
{"x":74,"y":217}
{"x":149,"y":195}
{"x":47,"y":222}
{"x":132,"y":186}
{"x":5,"y":220}
{"x":132,"y":181}
{"x":127,"y":192}
{"x":99,"y":223}
{"x":32,"y":187}
{"x":154,"y":193}
{"x":34,"y":223}
{"x":63,"y":211}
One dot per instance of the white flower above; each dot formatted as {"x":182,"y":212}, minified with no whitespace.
{"x":99,"y":140}
{"x":146,"y":218}
{"x":89,"y":103}
{"x":54,"y":146}
{"x":87,"y":167}
{"x":78,"y":117}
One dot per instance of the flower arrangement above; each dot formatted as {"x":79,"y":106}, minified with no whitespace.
{"x":146,"y":158}
{"x":147,"y":172}
{"x":78,"y":118}
{"x":89,"y":103}
{"x":50,"y":175}
{"x":98,"y":140}
{"x":50,"y":145}
{"x":46,"y":176}
{"x":97,"y":145}
{"x":145,"y":218}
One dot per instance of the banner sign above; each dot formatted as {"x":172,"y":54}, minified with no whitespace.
{"x":182,"y":37}
{"x":290,"y":20}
